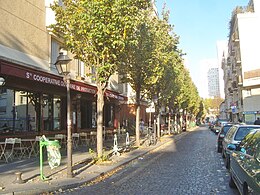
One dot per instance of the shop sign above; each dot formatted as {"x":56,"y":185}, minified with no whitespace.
{"x":52,"y":80}
{"x":250,"y":112}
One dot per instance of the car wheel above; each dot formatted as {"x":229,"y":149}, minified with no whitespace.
{"x":223,"y":155}
{"x":219,"y":149}
{"x":227,"y":162}
{"x":231,"y":182}
{"x":245,"y":189}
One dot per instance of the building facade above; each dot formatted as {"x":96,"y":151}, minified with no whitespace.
{"x":241,"y":65}
{"x":33,"y":95}
{"x":213,"y":82}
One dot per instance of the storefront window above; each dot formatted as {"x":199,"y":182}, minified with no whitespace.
{"x":27,"y":111}
{"x":94,"y":115}
{"x":56,"y":117}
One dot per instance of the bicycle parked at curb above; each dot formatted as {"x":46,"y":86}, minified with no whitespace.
{"x":151,"y":139}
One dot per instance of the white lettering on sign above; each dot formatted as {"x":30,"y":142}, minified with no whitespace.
{"x":43,"y":79}
{"x":58,"y":82}
{"x":53,"y":81}
{"x":88,"y":90}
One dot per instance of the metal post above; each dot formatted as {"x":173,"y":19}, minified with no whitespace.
{"x":41,"y":161}
{"x":63,"y":68}
{"x":69,"y":137}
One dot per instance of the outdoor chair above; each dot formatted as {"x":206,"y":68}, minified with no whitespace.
{"x":62,"y":139}
{"x":8,"y":149}
{"x":84,"y":138}
{"x":36,"y":146}
{"x":93,"y":137}
{"x":75,"y":140}
{"x":19,"y":149}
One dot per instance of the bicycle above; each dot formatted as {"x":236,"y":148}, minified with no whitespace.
{"x":151,"y":139}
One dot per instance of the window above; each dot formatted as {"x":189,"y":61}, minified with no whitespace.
{"x":231,"y":132}
{"x":242,"y":132}
{"x":3,"y":90}
{"x":55,"y":49}
{"x":250,"y":144}
{"x":23,"y":100}
{"x":81,"y":69}
{"x":248,"y":92}
{"x":3,"y":104}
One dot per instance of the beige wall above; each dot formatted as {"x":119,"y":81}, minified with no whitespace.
{"x":23,"y":27}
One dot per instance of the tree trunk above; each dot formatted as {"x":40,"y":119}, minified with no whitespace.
{"x":169,"y":124}
{"x":137,"y":125}
{"x":159,"y":125}
{"x":137,"y":119}
{"x":100,"y":105}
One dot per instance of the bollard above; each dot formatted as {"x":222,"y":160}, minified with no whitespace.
{"x":127,"y":143}
{"x":115,"y":148}
{"x":18,"y":178}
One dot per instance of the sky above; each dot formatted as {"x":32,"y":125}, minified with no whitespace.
{"x":200,"y":24}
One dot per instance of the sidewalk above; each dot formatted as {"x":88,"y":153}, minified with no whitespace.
{"x":83,"y":168}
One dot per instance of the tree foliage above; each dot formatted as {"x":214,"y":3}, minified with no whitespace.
{"x":126,"y":37}
{"x":96,"y":33}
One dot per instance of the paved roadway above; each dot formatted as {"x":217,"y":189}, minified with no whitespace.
{"x":190,"y":166}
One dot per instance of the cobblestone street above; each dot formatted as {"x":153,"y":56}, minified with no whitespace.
{"x":187,"y":166}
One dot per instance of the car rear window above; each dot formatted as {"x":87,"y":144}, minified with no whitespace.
{"x":226,"y":128}
{"x":242,"y":132}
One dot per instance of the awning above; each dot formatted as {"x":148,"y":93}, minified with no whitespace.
{"x":30,"y":74}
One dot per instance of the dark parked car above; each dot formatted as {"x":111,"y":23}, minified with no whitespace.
{"x":245,"y":164}
{"x":234,"y":136}
{"x":211,"y":125}
{"x":221,"y":136}
{"x":219,"y":123}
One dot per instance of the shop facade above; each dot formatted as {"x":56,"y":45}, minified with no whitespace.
{"x":34,"y":101}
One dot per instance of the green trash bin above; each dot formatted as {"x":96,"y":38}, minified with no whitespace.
{"x":53,"y":153}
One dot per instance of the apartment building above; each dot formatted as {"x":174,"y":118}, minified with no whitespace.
{"x":241,"y":64}
{"x":33,"y":94}
{"x":213,"y":82}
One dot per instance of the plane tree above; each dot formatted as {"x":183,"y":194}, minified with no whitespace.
{"x":96,"y":32}
{"x":138,"y":68}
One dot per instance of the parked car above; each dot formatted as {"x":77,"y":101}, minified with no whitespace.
{"x":234,"y":136}
{"x":245,"y":164}
{"x":219,"y":123}
{"x":211,"y":125}
{"x":221,"y":135}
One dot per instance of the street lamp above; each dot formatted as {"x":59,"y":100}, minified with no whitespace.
{"x":63,"y":67}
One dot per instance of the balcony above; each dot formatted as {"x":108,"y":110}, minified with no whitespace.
{"x":239,"y":81}
{"x":238,"y":62}
{"x":236,"y":41}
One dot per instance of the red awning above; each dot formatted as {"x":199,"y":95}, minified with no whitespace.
{"x":10,"y":69}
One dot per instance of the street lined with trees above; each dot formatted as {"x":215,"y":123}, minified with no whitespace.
{"x":131,"y":39}
{"x":189,"y":165}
